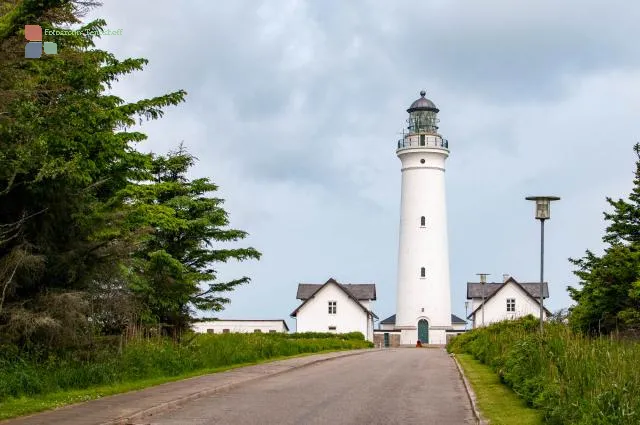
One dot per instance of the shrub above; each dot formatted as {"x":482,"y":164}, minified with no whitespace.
{"x":573,"y":379}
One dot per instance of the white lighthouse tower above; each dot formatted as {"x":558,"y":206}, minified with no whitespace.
{"x":423,"y":298}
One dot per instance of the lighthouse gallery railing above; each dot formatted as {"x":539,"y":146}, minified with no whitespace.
{"x":425,"y":141}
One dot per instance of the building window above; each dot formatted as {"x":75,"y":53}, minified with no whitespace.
{"x":272,"y":331}
{"x":333,"y":307}
{"x":225,"y":331}
{"x":423,"y":221}
{"x":209,"y":331}
{"x":423,"y":272}
{"x":332,"y":328}
{"x":511,"y":304}
{"x":257,"y":331}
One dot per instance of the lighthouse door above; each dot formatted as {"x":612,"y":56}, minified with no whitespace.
{"x":423,"y":331}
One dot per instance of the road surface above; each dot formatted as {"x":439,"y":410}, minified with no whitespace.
{"x":393,"y":386}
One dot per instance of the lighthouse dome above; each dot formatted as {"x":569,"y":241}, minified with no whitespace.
{"x":423,"y":104}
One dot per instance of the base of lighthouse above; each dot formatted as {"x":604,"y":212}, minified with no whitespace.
{"x":389,"y":334}
{"x":436,"y":336}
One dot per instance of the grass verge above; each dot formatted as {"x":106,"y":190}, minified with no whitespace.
{"x":15,"y":407}
{"x":496,"y":402}
{"x":573,"y":379}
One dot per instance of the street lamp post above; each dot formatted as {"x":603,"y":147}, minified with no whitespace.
{"x":543,"y":212}
{"x":466,"y":314}
{"x":483,"y":282}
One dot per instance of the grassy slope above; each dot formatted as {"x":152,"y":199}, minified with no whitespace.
{"x":572,"y":379}
{"x":15,"y":407}
{"x":496,"y":402}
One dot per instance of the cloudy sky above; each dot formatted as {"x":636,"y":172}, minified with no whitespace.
{"x":294,"y":109}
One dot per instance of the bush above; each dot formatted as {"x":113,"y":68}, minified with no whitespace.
{"x":30,"y":375}
{"x":571,"y":378}
{"x":351,"y":336}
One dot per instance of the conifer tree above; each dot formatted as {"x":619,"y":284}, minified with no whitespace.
{"x":179,"y":256}
{"x":609,"y":297}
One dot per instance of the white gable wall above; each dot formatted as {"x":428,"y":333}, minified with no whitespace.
{"x":496,"y":307}
{"x":459,"y":326}
{"x":350,"y":317}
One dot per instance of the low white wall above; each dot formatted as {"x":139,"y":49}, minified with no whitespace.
{"x":239,"y":326}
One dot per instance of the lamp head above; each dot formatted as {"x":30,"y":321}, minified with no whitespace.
{"x":543,"y":205}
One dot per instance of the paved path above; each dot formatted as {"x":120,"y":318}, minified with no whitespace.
{"x":397,"y":386}
{"x":392,"y":386}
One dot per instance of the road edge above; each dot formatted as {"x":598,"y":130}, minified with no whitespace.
{"x":165,"y":406}
{"x":470,"y":394}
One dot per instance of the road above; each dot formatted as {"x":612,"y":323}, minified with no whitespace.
{"x":393,"y":386}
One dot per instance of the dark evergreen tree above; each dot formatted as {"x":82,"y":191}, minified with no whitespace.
{"x":609,"y":297}
{"x":180,"y":255}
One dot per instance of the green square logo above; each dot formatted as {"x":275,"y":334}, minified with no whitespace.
{"x":50,"y":48}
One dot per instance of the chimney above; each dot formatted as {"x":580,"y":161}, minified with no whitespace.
{"x":505,"y":277}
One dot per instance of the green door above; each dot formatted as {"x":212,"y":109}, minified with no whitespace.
{"x":423,"y":331}
{"x":386,"y":339}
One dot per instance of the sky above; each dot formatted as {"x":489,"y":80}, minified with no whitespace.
{"x":294,"y":109}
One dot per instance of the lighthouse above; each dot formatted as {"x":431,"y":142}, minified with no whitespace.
{"x":423,"y":310}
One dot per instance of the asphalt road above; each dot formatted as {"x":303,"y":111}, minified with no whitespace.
{"x":393,"y":386}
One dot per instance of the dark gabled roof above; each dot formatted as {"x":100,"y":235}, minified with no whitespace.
{"x":359,"y":291}
{"x":474,"y":289}
{"x":344,"y":289}
{"x":391,"y":320}
{"x":527,"y":290}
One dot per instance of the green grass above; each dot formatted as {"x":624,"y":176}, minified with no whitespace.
{"x":496,"y":402}
{"x":29,"y":385}
{"x":571,"y":378}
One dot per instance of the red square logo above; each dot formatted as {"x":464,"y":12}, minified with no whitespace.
{"x":33,"y":32}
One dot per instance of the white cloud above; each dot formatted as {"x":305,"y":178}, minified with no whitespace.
{"x":294,"y":109}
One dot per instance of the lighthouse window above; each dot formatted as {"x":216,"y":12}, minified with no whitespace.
{"x":423,"y":272}
{"x":422,"y":161}
{"x":423,"y":221}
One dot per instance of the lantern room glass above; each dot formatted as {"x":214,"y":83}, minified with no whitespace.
{"x":423,"y":122}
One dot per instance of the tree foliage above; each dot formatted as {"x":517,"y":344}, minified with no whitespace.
{"x":178,"y":257}
{"x":609,"y":297}
{"x":93,"y":233}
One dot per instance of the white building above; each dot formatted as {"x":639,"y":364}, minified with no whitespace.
{"x":508,"y":299}
{"x":336,"y":307}
{"x":240,"y":326}
{"x":423,"y":309}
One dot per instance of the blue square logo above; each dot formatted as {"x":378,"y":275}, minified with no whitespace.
{"x":33,"y":50}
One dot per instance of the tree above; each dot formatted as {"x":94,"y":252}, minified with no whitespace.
{"x":65,"y":155}
{"x":93,"y":233}
{"x":610,"y":295}
{"x":179,"y":256}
